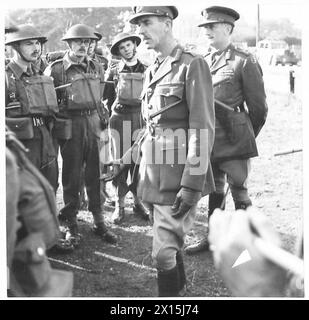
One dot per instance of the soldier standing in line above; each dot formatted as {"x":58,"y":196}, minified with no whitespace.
{"x":80,"y":101}
{"x":125,"y":120}
{"x":242,"y":89}
{"x":31,"y":102}
{"x":178,"y":88}
{"x":94,"y":52}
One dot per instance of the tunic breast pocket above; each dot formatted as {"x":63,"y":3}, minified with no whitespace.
{"x":168,"y":93}
{"x":224,"y":90}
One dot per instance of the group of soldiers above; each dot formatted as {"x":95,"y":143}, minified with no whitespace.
{"x":209,"y":108}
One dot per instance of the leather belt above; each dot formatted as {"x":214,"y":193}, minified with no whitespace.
{"x":86,"y":112}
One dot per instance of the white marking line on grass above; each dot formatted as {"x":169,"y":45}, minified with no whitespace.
{"x":122,"y":260}
{"x":69,"y":264}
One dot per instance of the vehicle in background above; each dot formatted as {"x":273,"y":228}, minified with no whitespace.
{"x":276,"y":52}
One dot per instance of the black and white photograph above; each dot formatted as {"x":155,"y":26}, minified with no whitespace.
{"x":154,"y":150}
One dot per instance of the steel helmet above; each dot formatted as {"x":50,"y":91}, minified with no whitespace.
{"x":79,"y":31}
{"x":24,"y":32}
{"x":98,"y":34}
{"x":123,"y":37}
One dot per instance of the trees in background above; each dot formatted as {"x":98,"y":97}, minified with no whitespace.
{"x":54,"y":22}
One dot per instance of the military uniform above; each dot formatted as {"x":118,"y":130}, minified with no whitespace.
{"x":171,"y":147}
{"x":32,"y":228}
{"x":101,"y":59}
{"x":125,"y":120}
{"x":30,"y":108}
{"x":85,"y":136}
{"x":238,"y":83}
{"x":80,"y":102}
{"x":243,"y":90}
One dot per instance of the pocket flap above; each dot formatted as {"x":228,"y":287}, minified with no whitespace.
{"x":170,"y":89}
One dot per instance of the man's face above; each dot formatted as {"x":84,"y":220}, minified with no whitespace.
{"x":127,"y":49}
{"x":92,"y":46}
{"x":152,"y":31}
{"x":80,"y":47}
{"x":216,"y":33}
{"x":30,"y":49}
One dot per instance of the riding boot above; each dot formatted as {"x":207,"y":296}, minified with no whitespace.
{"x":168,"y":282}
{"x":181,"y":270}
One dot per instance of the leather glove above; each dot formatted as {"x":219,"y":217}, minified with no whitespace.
{"x":186,"y":198}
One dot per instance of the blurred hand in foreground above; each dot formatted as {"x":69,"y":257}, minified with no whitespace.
{"x":231,"y":234}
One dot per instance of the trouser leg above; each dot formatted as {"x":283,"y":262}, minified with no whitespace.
{"x":237,"y":173}
{"x":168,"y":240}
{"x":72,"y":152}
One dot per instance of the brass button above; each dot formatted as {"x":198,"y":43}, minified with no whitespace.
{"x":150,"y":107}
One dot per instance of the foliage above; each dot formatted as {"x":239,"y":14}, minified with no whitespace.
{"x":54,"y":22}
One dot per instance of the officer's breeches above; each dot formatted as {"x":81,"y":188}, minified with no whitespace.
{"x":168,"y":235}
{"x":236,"y":172}
{"x":80,"y":153}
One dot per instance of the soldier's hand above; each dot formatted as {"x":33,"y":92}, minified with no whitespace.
{"x":186,"y":198}
{"x":118,"y":167}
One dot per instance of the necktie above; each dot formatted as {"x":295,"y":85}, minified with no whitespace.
{"x":155,"y":67}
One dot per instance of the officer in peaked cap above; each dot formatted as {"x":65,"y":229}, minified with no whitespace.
{"x":178,"y":88}
{"x":159,"y":11}
{"x":241,"y":83}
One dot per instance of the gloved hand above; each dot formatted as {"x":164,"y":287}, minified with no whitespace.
{"x":186,"y":198}
{"x":118,"y":167}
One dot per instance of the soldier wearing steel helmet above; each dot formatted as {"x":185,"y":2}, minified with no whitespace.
{"x":80,"y":101}
{"x":242,"y":88}
{"x":177,"y":106}
{"x":31,"y":102}
{"x":94,"y":52}
{"x":124,"y":101}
